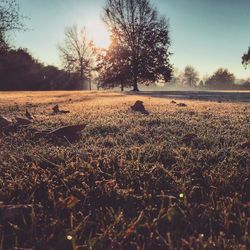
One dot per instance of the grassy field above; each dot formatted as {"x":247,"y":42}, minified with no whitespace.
{"x":177,"y":178}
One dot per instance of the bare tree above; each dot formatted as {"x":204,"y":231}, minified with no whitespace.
{"x":10,"y":20}
{"x":76,"y":53}
{"x":142,"y":32}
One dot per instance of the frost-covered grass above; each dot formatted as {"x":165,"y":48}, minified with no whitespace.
{"x":131,"y":181}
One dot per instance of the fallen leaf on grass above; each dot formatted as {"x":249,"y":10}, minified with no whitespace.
{"x":70,"y":132}
{"x":4,"y":122}
{"x":23,"y":121}
{"x":67,"y":131}
{"x":40,"y":133}
{"x":29,"y":115}
{"x":139,"y":107}
{"x":56,"y":110}
{"x":182,"y":105}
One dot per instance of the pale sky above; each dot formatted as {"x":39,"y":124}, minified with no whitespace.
{"x":206,"y":34}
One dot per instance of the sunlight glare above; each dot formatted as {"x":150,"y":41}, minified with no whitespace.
{"x":99,"y":34}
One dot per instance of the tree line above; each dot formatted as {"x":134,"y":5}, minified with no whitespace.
{"x":139,"y":54}
{"x":221,"y":79}
{"x":19,"y":70}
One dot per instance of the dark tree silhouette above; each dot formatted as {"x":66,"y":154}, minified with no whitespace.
{"x":246,"y":58}
{"x":113,"y":66}
{"x":10,"y":20}
{"x":76,"y":53}
{"x":221,"y":79}
{"x":190,"y":77}
{"x":144,"y":35}
{"x":20,"y":71}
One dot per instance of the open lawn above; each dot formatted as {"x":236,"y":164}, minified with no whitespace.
{"x":177,"y":178}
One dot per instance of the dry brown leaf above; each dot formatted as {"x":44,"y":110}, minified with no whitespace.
{"x":139,"y":107}
{"x":4,"y":122}
{"x":56,"y":110}
{"x":29,"y":115}
{"x":181,"y":104}
{"x":67,"y":131}
{"x":23,"y":121}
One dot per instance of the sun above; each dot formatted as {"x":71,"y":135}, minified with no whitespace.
{"x":99,"y":34}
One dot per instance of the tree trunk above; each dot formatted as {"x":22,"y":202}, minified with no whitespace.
{"x":122,"y":87}
{"x":82,"y":80}
{"x":135,"y":75}
{"x":135,"y":85}
{"x":90,"y":84}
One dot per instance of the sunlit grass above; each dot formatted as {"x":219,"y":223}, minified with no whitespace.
{"x":131,"y":180}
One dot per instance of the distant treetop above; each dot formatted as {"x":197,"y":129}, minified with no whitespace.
{"x":246,"y":58}
{"x":221,"y":79}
